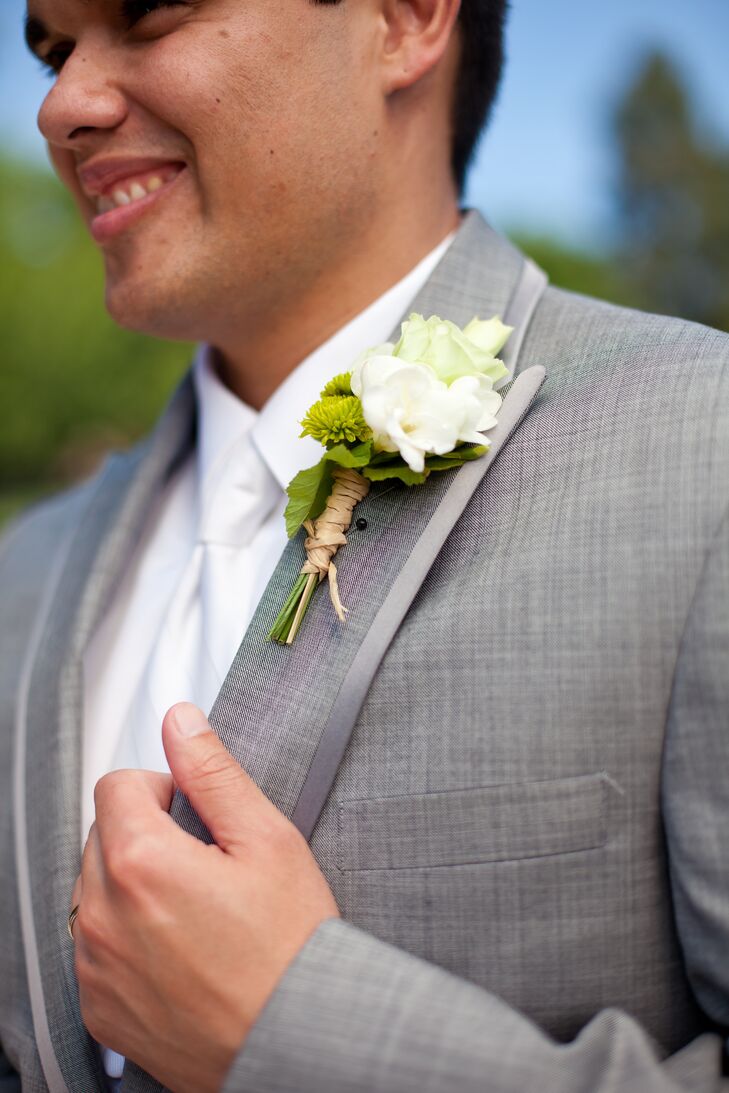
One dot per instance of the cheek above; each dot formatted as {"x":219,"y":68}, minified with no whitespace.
{"x":253,"y":95}
{"x":275,"y":129}
{"x":64,"y":165}
{"x":200,"y":81}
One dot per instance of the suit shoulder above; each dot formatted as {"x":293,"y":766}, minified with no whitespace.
{"x":32,"y":539}
{"x":654,"y":386}
{"x":29,"y":552}
{"x":621,"y":334}
{"x":665,"y":369}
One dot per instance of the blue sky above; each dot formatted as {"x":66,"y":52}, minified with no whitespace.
{"x":546,"y":163}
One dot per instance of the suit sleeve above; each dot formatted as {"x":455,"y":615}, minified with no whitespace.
{"x":352,"y":1014}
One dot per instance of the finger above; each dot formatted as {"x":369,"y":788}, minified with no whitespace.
{"x":73,"y":909}
{"x":132,"y":801}
{"x":92,"y":862}
{"x":90,"y":876}
{"x":77,"y":893}
{"x":225,"y":797}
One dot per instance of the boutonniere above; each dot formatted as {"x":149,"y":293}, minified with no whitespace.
{"x":404,"y":412}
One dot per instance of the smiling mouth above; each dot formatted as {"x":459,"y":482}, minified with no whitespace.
{"x":137,"y":187}
{"x":127,"y":199}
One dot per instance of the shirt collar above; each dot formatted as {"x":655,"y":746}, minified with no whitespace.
{"x":224,"y":419}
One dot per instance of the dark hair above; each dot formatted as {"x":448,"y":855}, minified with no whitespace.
{"x":482,"y":25}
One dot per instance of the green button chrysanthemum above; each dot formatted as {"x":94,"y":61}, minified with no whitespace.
{"x":336,"y":418}
{"x":340,"y":385}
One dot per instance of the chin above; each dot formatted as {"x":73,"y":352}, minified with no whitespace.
{"x":148,"y":309}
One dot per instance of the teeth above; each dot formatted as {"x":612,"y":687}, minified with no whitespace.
{"x":135,"y":191}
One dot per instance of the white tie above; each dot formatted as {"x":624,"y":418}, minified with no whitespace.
{"x":202,"y":628}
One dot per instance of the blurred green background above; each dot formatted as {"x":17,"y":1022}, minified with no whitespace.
{"x":72,"y":384}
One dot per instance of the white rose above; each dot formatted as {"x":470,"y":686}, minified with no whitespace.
{"x":411,"y":411}
{"x":452,"y":352}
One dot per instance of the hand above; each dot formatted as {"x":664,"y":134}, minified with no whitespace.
{"x":179,"y":944}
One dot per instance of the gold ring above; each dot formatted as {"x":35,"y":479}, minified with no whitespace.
{"x":72,"y":918}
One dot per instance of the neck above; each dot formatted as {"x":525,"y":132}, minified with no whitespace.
{"x":277,"y":340}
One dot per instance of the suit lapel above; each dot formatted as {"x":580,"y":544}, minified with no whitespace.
{"x":459,"y":488}
{"x":276,"y":701}
{"x":50,"y":717}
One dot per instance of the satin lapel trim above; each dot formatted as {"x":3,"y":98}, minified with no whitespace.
{"x":338,"y":729}
{"x":276,"y":701}
{"x":49,"y":735}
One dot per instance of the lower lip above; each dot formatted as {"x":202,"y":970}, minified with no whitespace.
{"x":107,"y":226}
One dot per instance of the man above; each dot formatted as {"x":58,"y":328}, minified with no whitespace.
{"x":510,"y":761}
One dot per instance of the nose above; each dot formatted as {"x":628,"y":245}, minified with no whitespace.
{"x":84,"y":99}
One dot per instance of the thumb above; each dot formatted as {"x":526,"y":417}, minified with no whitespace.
{"x":226,"y":799}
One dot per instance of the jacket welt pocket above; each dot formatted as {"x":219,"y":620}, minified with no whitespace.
{"x":470,"y":826}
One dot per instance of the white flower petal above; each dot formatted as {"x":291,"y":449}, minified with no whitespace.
{"x":412,"y":411}
{"x":491,"y":335}
{"x":384,"y":350}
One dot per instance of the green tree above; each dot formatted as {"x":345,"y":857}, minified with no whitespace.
{"x":72,"y":384}
{"x":673,"y":200}
{"x":589,"y":273}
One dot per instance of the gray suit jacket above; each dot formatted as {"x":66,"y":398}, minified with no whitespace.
{"x":527,"y":831}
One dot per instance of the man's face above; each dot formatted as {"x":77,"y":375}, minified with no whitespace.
{"x":221,"y":151}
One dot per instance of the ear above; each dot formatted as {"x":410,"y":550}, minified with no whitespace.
{"x":417,"y":34}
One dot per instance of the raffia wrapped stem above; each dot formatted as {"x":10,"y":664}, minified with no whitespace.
{"x":328,"y":532}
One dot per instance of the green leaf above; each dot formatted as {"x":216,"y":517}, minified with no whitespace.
{"x":462,"y":454}
{"x":386,"y":465}
{"x":440,"y":463}
{"x":454,"y":459}
{"x":308,"y":492}
{"x":358,"y":456}
{"x":385,"y":457}
{"x":395,"y":470}
{"x":309,"y":489}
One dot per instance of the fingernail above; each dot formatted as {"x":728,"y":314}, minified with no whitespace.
{"x":189,"y":720}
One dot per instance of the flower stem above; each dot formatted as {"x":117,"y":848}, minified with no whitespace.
{"x":282,"y":625}
{"x":325,"y":536}
{"x":311,"y":583}
{"x":292,"y":613}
